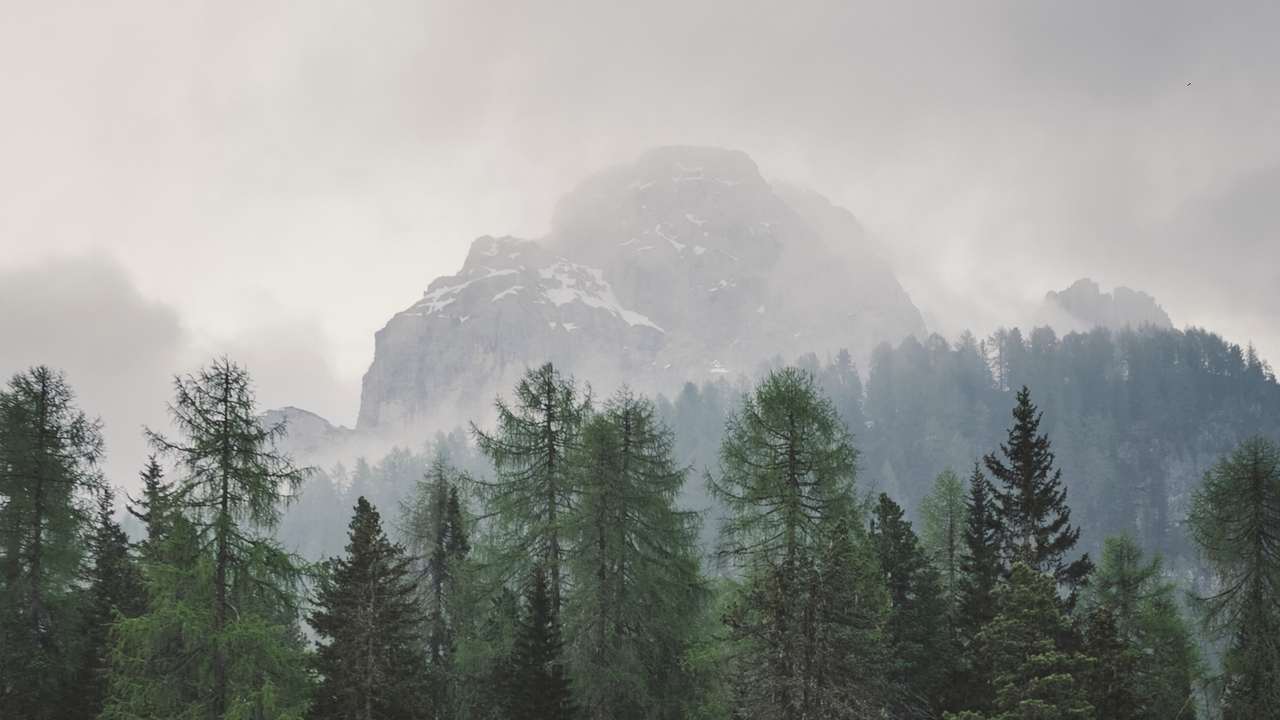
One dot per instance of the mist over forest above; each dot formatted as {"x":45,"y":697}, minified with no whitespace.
{"x":452,"y":361}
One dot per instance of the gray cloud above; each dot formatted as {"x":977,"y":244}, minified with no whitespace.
{"x":275,"y":164}
{"x":120,"y":351}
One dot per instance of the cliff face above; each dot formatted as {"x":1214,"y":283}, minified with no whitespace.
{"x":683,"y":265}
{"x":1083,"y":306}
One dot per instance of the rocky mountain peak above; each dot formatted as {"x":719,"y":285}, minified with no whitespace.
{"x":1083,"y":305}
{"x":682,"y":265}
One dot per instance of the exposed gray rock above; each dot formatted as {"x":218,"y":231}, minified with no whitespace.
{"x":1084,"y":306}
{"x":683,"y":265}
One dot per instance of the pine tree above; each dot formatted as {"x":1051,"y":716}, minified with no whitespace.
{"x":533,"y":490}
{"x":980,"y":575}
{"x":224,"y":596}
{"x":116,"y":590}
{"x":538,"y":685}
{"x":636,"y":583}
{"x":916,"y":635}
{"x":1235,"y":520}
{"x":1034,"y":677}
{"x":1032,"y":503}
{"x":786,"y":475}
{"x":49,"y":453}
{"x":437,"y":535}
{"x":370,"y":657}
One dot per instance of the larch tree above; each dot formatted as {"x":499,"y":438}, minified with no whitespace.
{"x":1235,"y":521}
{"x":1031,"y":502}
{"x":787,"y":466}
{"x":1149,"y":621}
{"x":229,"y":605}
{"x":637,"y":587}
{"x":943,"y":515}
{"x":370,"y":656}
{"x":533,"y":491}
{"x":49,"y":452}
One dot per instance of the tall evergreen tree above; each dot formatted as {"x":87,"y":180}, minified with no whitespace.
{"x":533,"y":490}
{"x":538,"y":685}
{"x":153,"y":508}
{"x":49,"y":452}
{"x":916,"y":634}
{"x":636,"y":588}
{"x":228,"y":611}
{"x":1034,"y":676}
{"x":115,"y":591}
{"x":787,"y":476}
{"x":1112,"y":679}
{"x":1031,"y":502}
{"x":980,"y":575}
{"x":437,"y":536}
{"x":1149,"y":623}
{"x":1235,"y":520}
{"x":370,"y":657}
{"x":944,"y":516}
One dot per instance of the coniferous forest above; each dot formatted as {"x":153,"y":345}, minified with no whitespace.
{"x":1013,"y":528}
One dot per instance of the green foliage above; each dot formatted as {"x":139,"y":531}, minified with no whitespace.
{"x":812,"y":605}
{"x":116,"y":590}
{"x":1031,"y":502}
{"x":1034,"y":677}
{"x":918,"y":643}
{"x":637,"y":588}
{"x":538,"y":685}
{"x":48,"y":474}
{"x":220,"y":638}
{"x":370,"y":657}
{"x":1149,"y":622}
{"x":437,"y":531}
{"x":1235,"y":520}
{"x":533,"y":491}
{"x":944,"y":515}
{"x":980,"y":574}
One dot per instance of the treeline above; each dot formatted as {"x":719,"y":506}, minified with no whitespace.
{"x":1136,"y":416}
{"x":562,"y":579}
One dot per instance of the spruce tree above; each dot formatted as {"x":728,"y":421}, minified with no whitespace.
{"x":636,"y":587}
{"x":1031,"y":502}
{"x":370,"y":656}
{"x":437,"y":535}
{"x":944,"y":516}
{"x":49,"y":452}
{"x":116,"y":591}
{"x":153,"y":508}
{"x":533,"y":490}
{"x":538,"y":685}
{"x":916,"y":633}
{"x":787,"y":477}
{"x":1235,"y":520}
{"x":1033,"y":675}
{"x":980,"y":575}
{"x":224,"y":597}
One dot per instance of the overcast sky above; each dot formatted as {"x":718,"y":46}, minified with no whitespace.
{"x":274,"y":179}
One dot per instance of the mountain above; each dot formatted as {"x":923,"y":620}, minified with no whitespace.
{"x":683,"y":265}
{"x":1084,"y":306}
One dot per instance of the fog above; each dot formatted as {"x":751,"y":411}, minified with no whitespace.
{"x":273,"y":180}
